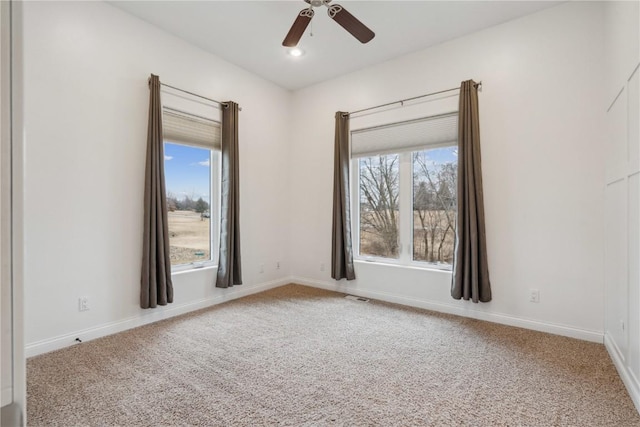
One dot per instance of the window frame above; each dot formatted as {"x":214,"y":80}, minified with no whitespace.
{"x":405,"y":214}
{"x":215,"y":159}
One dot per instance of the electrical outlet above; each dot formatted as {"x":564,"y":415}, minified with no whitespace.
{"x":322,"y":266}
{"x":261,"y":268}
{"x":83,"y":304}
{"x":534,"y":295}
{"x":277,"y":265}
{"x":622,"y":325}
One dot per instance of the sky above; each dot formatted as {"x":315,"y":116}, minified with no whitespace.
{"x":187,"y":171}
{"x":443,"y":155}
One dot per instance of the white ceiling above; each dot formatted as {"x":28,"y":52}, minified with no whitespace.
{"x":250,"y":33}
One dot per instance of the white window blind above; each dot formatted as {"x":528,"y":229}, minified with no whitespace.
{"x":411,"y":135}
{"x":185,"y":128}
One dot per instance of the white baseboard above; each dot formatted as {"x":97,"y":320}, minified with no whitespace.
{"x":7,"y":396}
{"x":149,"y":316}
{"x":504,"y":319}
{"x":628,"y":378}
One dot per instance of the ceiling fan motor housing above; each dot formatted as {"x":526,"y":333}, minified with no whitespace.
{"x":318,"y":3}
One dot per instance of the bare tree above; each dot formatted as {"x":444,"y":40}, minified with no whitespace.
{"x":379,"y":204}
{"x":447,"y":195}
{"x":424,"y":204}
{"x":435,"y":206}
{"x":172,"y":202}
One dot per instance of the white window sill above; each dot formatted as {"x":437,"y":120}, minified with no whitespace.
{"x":186,"y":269}
{"x":425,"y":267}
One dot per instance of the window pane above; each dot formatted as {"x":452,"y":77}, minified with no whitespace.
{"x":188,"y":184}
{"x":379,"y":210}
{"x":435,"y":175}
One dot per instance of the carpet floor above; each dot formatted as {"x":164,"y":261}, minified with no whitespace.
{"x":299,"y":356}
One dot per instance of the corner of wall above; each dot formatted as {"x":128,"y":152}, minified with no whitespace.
{"x":628,"y":378}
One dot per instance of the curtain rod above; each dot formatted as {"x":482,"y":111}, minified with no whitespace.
{"x":222,"y":104}
{"x":402,"y":101}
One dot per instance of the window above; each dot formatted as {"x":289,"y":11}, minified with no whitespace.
{"x":379,"y":205}
{"x":435,"y":175}
{"x":405,"y":187}
{"x":191,"y":159}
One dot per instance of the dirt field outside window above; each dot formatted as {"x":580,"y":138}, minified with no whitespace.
{"x":189,"y":237}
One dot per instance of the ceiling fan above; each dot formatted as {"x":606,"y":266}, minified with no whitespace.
{"x":336,"y":12}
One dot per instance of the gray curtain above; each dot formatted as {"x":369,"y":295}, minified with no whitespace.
{"x":470,"y":267}
{"x":156,"y":287}
{"x":341,"y":249}
{"x":229,"y":266}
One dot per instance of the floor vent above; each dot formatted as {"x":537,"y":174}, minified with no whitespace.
{"x":355,"y":298}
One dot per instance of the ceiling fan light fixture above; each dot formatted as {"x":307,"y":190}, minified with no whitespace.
{"x":296,"y":52}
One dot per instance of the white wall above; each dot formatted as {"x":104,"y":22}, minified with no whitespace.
{"x":622,"y":191}
{"x":11,"y":206}
{"x":86,"y":104}
{"x":5,"y":284}
{"x":542,"y":128}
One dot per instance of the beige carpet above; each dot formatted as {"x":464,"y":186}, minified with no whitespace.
{"x":298,"y":356}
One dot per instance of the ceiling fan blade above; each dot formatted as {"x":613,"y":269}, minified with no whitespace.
{"x":297,"y":29}
{"x":350,"y":23}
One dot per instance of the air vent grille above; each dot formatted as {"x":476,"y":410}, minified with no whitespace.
{"x":356,"y":298}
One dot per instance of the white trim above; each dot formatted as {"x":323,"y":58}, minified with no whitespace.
{"x":628,"y":378}
{"x":18,"y":146}
{"x":615,"y":181}
{"x":66,"y":340}
{"x":637,"y":67}
{"x":6,"y":320}
{"x":414,"y":265}
{"x":7,"y":396}
{"x":504,"y":319}
{"x":149,"y":316}
{"x":616,"y":97}
{"x":177,"y":270}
